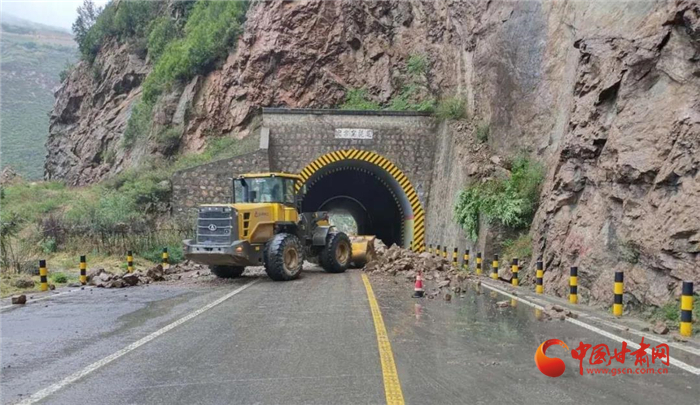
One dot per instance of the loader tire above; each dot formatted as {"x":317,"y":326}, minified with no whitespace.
{"x":285,"y":257}
{"x":227,"y":271}
{"x":335,"y":256}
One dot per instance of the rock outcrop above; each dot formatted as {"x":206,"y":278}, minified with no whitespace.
{"x":623,"y":187}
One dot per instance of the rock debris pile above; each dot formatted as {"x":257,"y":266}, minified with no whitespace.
{"x":106,"y":279}
{"x":438,"y":275}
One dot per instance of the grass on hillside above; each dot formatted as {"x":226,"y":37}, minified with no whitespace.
{"x":44,"y":219}
{"x":30,"y":69}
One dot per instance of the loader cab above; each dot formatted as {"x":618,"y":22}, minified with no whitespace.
{"x":265,"y":188}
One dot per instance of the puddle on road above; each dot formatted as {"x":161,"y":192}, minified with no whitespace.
{"x":473,"y":315}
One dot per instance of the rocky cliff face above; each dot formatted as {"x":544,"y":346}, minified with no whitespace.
{"x":623,"y":187}
{"x":605,"y":93}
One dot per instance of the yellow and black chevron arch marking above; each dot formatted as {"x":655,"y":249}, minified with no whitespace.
{"x":389,"y":167}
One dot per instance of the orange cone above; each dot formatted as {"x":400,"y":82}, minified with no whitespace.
{"x":418,"y":291}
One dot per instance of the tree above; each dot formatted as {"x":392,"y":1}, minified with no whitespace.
{"x":87,"y":15}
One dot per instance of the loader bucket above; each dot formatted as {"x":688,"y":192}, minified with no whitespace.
{"x":362,"y":250}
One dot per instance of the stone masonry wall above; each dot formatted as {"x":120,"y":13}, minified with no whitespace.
{"x":210,"y":184}
{"x":297,"y":137}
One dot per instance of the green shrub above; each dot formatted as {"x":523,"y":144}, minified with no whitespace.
{"x":408,"y":100}
{"x":356,"y":99}
{"x":211,"y":29}
{"x":139,"y":124}
{"x":108,"y":213}
{"x":169,"y":139}
{"x":123,"y":20}
{"x":467,"y":211}
{"x":132,"y":18}
{"x":510,"y":201}
{"x":520,"y":248}
{"x":162,"y":33}
{"x":451,"y":108}
{"x":417,"y":65}
{"x":59,"y":278}
{"x":65,"y":72}
{"x":482,"y":132}
{"x":155,"y":254}
{"x":49,"y":245}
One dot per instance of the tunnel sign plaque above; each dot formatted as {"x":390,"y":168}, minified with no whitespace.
{"x":353,"y":133}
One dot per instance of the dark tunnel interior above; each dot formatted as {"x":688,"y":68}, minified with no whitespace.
{"x":361,"y":193}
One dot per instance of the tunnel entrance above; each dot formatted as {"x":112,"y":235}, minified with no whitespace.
{"x":371,"y":189}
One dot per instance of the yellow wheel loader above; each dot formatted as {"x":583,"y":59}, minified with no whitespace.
{"x":262,"y":226}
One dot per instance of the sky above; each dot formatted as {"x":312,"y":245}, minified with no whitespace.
{"x":59,"y":13}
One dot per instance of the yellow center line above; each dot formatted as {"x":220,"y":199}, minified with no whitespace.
{"x":392,"y":386}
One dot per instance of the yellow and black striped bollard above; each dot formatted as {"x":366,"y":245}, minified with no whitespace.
{"x":454,"y":258}
{"x":437,"y":250}
{"x":465,"y":260}
{"x":687,"y":309}
{"x":494,"y":268}
{"x":430,"y":248}
{"x":618,"y":290}
{"x":83,"y":270}
{"x":514,"y":268}
{"x":166,"y":259}
{"x":573,"y":285}
{"x":539,"y":277}
{"x":444,"y":252}
{"x":129,"y":262}
{"x":478,"y":264}
{"x":43,"y":276}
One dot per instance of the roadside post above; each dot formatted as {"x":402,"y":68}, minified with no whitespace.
{"x":465,"y":261}
{"x":539,"y":276}
{"x":514,"y":268}
{"x":494,"y":268}
{"x":687,"y":309}
{"x":573,"y":285}
{"x":130,"y":261}
{"x":454,"y":258}
{"x":43,"y":275}
{"x":166,"y":259}
{"x":83,"y":270}
{"x":618,"y":289}
{"x":478,"y":263}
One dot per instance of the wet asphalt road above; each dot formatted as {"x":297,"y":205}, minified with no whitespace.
{"x":310,"y":341}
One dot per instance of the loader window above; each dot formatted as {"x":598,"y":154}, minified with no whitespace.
{"x":289,"y":191}
{"x":264,"y":190}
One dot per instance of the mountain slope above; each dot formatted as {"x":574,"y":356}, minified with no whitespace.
{"x":33,"y":55}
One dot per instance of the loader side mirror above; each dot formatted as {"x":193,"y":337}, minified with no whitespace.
{"x":299,"y":197}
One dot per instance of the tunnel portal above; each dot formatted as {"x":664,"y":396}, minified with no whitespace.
{"x":371,"y":189}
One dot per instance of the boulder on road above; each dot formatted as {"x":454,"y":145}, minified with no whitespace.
{"x":660,"y":328}
{"x":19,"y":299}
{"x":156,"y":273}
{"x":94,"y":272}
{"x":131,"y":278}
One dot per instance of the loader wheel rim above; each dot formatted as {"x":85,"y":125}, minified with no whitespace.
{"x":342,"y":253}
{"x":291,"y":258}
